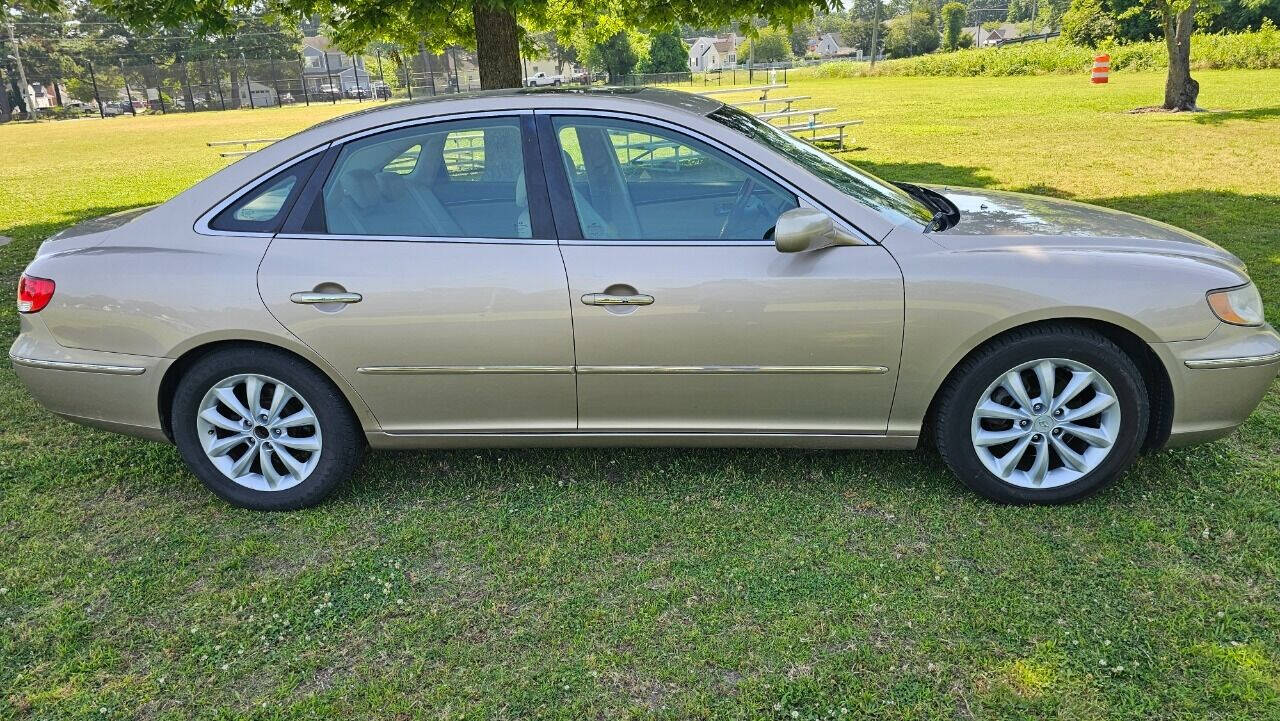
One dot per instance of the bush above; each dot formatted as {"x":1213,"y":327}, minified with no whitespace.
{"x":1251,"y":50}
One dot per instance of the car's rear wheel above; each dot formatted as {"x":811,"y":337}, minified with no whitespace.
{"x":264,"y":430}
{"x":1052,"y":414}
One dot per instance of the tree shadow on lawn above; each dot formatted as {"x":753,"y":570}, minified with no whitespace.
{"x":1245,"y":225}
{"x":966,"y":176}
{"x":1217,"y":117}
{"x":40,"y":231}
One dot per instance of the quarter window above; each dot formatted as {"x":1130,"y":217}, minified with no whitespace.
{"x":635,"y":181}
{"x":262,"y":209}
{"x":453,"y":179}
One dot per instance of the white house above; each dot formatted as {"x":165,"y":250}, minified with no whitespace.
{"x":264,"y":96}
{"x":985,"y":38}
{"x":342,"y":71}
{"x":706,"y":53}
{"x":825,"y":45}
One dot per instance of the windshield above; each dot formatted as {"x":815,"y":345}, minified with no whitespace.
{"x":867,"y":189}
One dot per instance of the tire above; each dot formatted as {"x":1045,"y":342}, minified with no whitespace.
{"x":965,"y":433}
{"x":206,"y":432}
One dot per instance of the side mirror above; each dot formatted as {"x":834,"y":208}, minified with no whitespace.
{"x":801,"y":229}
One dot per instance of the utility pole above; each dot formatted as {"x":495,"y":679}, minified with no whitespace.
{"x":28,"y":102}
{"x":875,"y":34}
{"x":129,"y":94}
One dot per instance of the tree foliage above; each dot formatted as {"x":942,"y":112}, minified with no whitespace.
{"x":911,"y":34}
{"x":952,"y":24}
{"x":772,"y":45}
{"x":667,"y":53}
{"x":615,"y":56}
{"x":439,"y":23}
{"x":1088,"y":23}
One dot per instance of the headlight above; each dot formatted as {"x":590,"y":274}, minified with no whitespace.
{"x":1237,"y":306}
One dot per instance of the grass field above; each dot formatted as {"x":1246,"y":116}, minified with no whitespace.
{"x":667,"y":583}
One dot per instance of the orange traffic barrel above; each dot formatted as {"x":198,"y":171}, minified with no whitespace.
{"x":1101,"y":68}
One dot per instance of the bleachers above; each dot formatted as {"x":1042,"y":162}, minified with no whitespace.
{"x":814,"y":130}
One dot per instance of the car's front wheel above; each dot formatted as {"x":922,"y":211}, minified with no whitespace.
{"x":264,"y":430}
{"x":1046,"y":415}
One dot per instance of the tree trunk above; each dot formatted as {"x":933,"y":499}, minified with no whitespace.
{"x":6,"y":114}
{"x":497,"y":47}
{"x":1180,"y":89}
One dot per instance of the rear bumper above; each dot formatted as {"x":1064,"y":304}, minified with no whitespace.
{"x":1218,"y":381}
{"x":113,"y":391}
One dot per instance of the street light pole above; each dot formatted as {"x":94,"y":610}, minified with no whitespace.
{"x":28,"y":101}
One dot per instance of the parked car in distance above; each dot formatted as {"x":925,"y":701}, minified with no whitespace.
{"x":287,"y":99}
{"x":328,"y":92}
{"x":538,"y":80}
{"x":623,"y":266}
{"x":381,"y":90}
{"x":357,"y":92}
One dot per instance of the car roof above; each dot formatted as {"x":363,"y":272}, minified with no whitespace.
{"x":440,"y":104}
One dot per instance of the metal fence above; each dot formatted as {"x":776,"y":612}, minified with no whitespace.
{"x":65,"y":87}
{"x":728,"y":76}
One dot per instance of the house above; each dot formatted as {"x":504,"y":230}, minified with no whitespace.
{"x":264,"y":96}
{"x":985,"y":38}
{"x":825,"y":45}
{"x":48,"y":95}
{"x":707,"y":53}
{"x":549,"y":65}
{"x":323,"y":64}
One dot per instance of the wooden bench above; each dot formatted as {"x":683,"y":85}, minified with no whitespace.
{"x":764,"y":89}
{"x":813,"y":114}
{"x":244,"y":144}
{"x":837,"y":136}
{"x":764,"y":103}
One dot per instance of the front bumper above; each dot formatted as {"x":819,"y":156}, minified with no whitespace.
{"x":114,"y":391}
{"x":1218,"y":381}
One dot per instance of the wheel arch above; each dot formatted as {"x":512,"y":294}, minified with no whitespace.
{"x":193,"y":353}
{"x":1155,"y":376}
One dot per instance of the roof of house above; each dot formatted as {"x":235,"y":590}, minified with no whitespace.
{"x":317,"y":42}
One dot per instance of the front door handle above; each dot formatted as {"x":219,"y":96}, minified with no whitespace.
{"x":611,"y":299}
{"x":315,"y":298}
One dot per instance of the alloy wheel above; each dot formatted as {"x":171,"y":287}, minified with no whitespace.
{"x":1045,"y":423}
{"x":259,"y":432}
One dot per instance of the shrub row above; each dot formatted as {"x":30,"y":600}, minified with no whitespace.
{"x":1248,"y":50}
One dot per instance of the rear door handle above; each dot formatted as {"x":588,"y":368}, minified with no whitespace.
{"x":315,"y":298}
{"x":611,"y":299}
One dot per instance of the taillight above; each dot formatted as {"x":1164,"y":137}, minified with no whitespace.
{"x":33,"y":293}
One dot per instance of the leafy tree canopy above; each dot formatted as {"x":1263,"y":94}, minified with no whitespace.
{"x":667,"y":53}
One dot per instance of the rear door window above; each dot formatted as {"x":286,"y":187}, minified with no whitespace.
{"x":463,"y":179}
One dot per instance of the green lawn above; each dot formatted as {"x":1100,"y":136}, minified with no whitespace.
{"x":669,"y":583}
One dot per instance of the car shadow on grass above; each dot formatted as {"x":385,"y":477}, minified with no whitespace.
{"x":675,"y":472}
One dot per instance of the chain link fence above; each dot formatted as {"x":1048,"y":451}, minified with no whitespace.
{"x":66,"y":87}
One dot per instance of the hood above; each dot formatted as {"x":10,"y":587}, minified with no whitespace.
{"x":89,"y":232}
{"x":994,"y":218}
